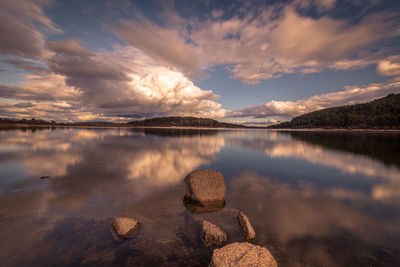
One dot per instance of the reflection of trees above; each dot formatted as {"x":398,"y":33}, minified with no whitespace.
{"x":27,"y":129}
{"x":384,"y":147}
{"x":176,"y":132}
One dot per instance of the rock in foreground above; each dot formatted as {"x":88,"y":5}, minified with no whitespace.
{"x":212,"y":235}
{"x":204,"y":188}
{"x":246,"y":227}
{"x":242,"y":254}
{"x":123,"y":227}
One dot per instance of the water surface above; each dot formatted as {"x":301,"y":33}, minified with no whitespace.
{"x":314,"y":198}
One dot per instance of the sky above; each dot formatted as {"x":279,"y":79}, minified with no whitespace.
{"x":256,"y":62}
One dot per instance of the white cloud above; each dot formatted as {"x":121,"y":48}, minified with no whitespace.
{"x":122,"y":83}
{"x":389,"y":66}
{"x":351,"y":95}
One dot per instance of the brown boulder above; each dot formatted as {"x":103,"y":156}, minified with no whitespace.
{"x":123,"y":227}
{"x":212,"y":235}
{"x":242,"y":254}
{"x":246,"y":227}
{"x":204,"y":191}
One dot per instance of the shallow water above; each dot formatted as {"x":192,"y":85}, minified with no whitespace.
{"x":314,"y":198}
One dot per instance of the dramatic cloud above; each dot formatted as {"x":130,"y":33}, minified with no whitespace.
{"x":263,"y":44}
{"x":162,"y":44}
{"x":265,"y":48}
{"x":126,"y":83}
{"x":21,"y":25}
{"x":152,"y":73}
{"x":111,"y":85}
{"x":352,"y":95}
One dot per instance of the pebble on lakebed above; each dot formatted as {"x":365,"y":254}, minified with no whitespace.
{"x":211,"y":234}
{"x":123,"y":228}
{"x":246,"y":227}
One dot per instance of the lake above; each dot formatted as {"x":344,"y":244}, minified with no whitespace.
{"x":314,"y":198}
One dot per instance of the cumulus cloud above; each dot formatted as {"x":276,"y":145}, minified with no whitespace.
{"x":126,"y":82}
{"x":351,"y":95}
{"x":21,"y":26}
{"x":110,"y":85}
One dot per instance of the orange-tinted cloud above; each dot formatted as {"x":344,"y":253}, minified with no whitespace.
{"x":351,"y":95}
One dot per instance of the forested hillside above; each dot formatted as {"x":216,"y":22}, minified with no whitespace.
{"x":380,"y":113}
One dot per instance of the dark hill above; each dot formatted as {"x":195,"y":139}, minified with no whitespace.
{"x":383,"y":113}
{"x":183,"y":122}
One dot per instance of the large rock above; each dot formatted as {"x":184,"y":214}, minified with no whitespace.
{"x":212,"y":235}
{"x":204,"y":190}
{"x":246,"y":227}
{"x":242,"y":254}
{"x":123,"y":227}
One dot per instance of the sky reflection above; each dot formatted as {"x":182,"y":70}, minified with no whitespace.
{"x":304,"y":196}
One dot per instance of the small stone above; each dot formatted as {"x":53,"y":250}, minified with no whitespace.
{"x":212,"y":235}
{"x":245,"y":224}
{"x":242,"y":254}
{"x":205,"y":189}
{"x":123,"y":227}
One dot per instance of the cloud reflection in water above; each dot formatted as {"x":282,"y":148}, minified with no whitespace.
{"x":98,"y":173}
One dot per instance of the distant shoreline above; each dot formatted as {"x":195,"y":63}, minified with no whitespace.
{"x":335,"y":130}
{"x":21,"y":125}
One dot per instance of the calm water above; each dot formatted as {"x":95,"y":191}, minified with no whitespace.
{"x":315,"y":199}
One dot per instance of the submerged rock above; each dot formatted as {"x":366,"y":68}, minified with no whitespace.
{"x":123,"y":227}
{"x":242,"y":254}
{"x":246,"y":227}
{"x":204,"y":191}
{"x":212,"y":235}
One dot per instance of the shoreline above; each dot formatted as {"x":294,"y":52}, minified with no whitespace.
{"x":337,"y":130}
{"x":21,"y":125}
